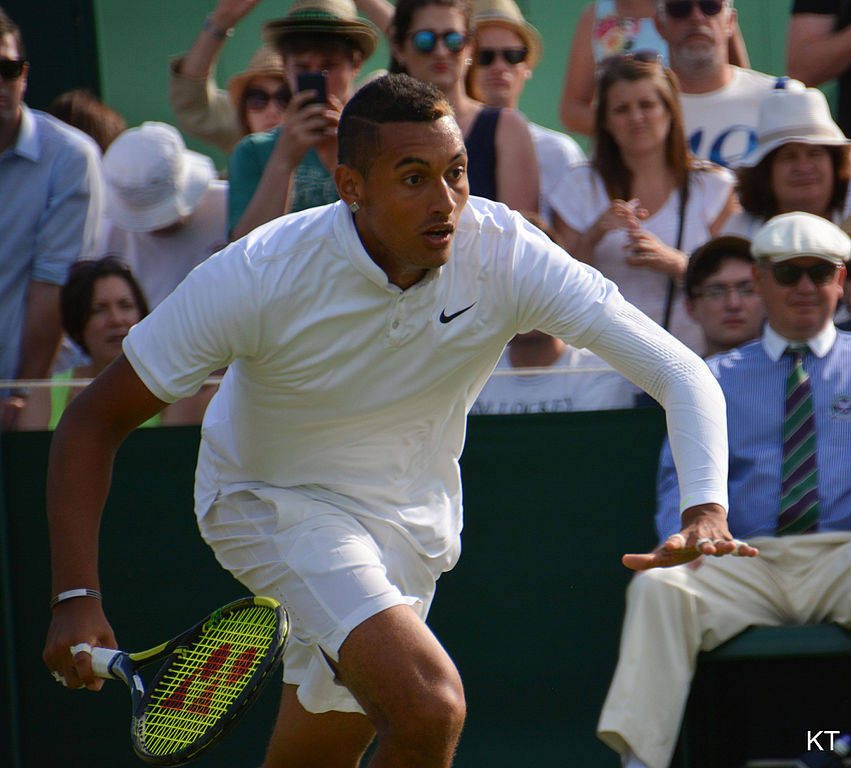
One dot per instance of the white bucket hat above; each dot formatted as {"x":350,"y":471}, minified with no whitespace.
{"x":152,"y":179}
{"x":791,"y":235}
{"x":793,"y":114}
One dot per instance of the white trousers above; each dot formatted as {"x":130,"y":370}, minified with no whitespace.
{"x":674,"y":613}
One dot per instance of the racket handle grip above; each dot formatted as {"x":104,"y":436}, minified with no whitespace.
{"x":102,"y":660}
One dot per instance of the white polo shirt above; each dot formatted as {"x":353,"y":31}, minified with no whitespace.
{"x":343,"y":385}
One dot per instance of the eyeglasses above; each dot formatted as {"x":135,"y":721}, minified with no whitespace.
{"x":425,"y":41}
{"x":486,"y":56}
{"x":681,"y":9}
{"x":718,"y":292}
{"x":11,"y":69}
{"x":790,"y":274}
{"x":257,"y":99}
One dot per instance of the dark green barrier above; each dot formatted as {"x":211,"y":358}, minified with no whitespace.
{"x":531,"y":614}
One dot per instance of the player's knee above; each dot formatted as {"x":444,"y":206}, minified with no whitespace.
{"x":435,"y":719}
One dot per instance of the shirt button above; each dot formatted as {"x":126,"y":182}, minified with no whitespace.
{"x":395,"y":324}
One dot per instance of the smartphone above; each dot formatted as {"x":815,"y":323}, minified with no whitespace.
{"x":313,"y":81}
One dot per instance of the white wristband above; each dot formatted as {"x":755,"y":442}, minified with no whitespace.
{"x":72,"y":593}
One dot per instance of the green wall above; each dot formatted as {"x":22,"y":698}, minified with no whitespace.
{"x":136,"y":39}
{"x":531,"y":614}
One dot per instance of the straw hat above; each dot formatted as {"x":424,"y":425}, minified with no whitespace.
{"x":338,"y":17}
{"x":152,"y":179}
{"x":507,"y":14}
{"x":793,"y":114}
{"x":791,"y":235}
{"x":266,"y":61}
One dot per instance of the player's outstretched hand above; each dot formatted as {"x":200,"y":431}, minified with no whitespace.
{"x":704,"y":532}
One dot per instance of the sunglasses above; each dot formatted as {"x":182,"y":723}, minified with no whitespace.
{"x":681,"y":9}
{"x":257,"y":99}
{"x":11,"y":69}
{"x":790,"y":274}
{"x":425,"y":41}
{"x":486,"y":56}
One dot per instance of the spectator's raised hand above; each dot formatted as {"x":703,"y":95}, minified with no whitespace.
{"x":228,"y":13}
{"x":621,"y":214}
{"x":305,"y":126}
{"x":647,"y":250}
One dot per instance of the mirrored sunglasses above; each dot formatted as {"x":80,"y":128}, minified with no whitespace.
{"x":681,"y":9}
{"x":425,"y":41}
{"x":790,"y":274}
{"x":486,"y":56}
{"x":257,"y":99}
{"x":11,"y":69}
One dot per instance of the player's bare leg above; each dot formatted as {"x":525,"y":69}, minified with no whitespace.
{"x":302,"y":739}
{"x":409,"y":688}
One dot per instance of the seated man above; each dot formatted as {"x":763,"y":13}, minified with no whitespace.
{"x":787,"y":409}
{"x":720,"y":294}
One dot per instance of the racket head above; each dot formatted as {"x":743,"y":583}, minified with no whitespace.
{"x":215,"y":672}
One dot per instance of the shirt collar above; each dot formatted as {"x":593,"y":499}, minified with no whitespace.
{"x":820,"y":344}
{"x":26,"y":142}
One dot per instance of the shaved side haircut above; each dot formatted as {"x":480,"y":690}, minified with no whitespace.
{"x":396,"y":98}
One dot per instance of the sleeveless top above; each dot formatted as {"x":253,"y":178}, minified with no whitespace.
{"x":611,"y":34}
{"x":481,"y":153}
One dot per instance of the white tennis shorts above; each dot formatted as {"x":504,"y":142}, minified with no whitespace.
{"x":329,"y":569}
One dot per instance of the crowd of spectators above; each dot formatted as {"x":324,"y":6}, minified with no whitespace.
{"x":684,"y":146}
{"x":695,"y":164}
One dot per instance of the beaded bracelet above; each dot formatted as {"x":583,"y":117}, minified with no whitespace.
{"x":72,"y":593}
{"x":216,"y":31}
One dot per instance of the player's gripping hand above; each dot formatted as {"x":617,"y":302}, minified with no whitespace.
{"x":704,"y":532}
{"x":76,"y":622}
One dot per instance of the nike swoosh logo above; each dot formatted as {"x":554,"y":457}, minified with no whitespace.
{"x":444,"y":318}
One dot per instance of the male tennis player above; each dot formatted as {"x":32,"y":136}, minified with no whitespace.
{"x":357,"y":336}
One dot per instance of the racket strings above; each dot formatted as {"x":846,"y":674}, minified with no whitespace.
{"x":206,"y":678}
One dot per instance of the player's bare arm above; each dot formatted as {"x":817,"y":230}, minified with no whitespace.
{"x":79,"y":470}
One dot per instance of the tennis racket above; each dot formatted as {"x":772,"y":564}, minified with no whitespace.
{"x":213,"y":673}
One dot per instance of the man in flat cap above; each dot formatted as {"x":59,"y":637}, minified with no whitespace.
{"x":789,"y":429}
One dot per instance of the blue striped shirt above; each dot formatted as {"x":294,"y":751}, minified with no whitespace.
{"x":753,"y":378}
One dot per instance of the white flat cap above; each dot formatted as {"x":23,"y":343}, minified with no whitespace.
{"x":791,"y":235}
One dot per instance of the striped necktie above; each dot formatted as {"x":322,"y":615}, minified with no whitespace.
{"x":799,"y":487}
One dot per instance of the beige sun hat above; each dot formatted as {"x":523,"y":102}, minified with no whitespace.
{"x":793,"y":115}
{"x":791,"y":235}
{"x":152,"y":179}
{"x":266,"y":62}
{"x":338,"y":17}
{"x":507,"y":14}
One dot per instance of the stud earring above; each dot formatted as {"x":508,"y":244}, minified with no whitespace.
{"x":468,"y":62}
{"x":354,"y":206}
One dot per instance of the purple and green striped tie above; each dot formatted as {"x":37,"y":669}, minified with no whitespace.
{"x":799,"y":488}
